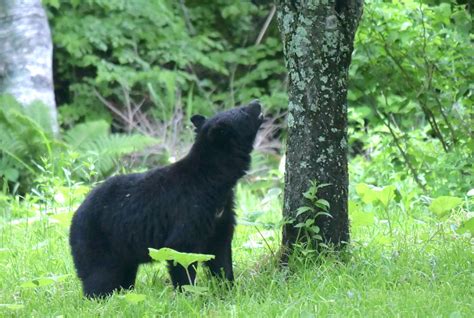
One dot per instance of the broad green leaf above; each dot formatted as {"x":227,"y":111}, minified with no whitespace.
{"x":467,"y":226}
{"x":315,"y":229}
{"x":359,"y":217}
{"x":38,"y":282}
{"x":323,"y":245}
{"x":11,"y":174}
{"x":444,"y":204}
{"x":385,"y":194}
{"x":309,"y":195}
{"x":463,"y":21}
{"x":365,"y":193}
{"x":134,"y":298}
{"x":307,"y":224}
{"x":370,"y":193}
{"x":383,"y":240}
{"x":303,"y":209}
{"x":44,"y":281}
{"x":405,"y":25}
{"x":184,"y":259}
{"x":322,"y":203}
{"x":12,"y":306}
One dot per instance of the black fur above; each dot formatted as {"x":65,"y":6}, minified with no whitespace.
{"x":187,"y":206}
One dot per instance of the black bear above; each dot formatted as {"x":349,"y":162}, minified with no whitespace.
{"x":187,"y":206}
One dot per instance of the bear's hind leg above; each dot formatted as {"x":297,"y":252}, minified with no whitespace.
{"x":129,"y":277}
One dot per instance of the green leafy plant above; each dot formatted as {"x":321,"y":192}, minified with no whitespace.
{"x":420,"y":116}
{"x":108,"y":48}
{"x":360,"y":218}
{"x":467,"y":227}
{"x":44,"y":281}
{"x":26,"y":137}
{"x":184,"y":259}
{"x":441,"y":206}
{"x":29,"y":149}
{"x":384,"y":196}
{"x":94,"y":143}
{"x":307,"y":215}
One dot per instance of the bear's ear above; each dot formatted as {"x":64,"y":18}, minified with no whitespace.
{"x":198,"y":121}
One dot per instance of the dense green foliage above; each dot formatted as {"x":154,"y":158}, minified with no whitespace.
{"x":161,"y":53}
{"x":26,"y":136}
{"x":411,"y":75}
{"x":147,"y":66}
{"x":412,"y":81}
{"x":129,"y":74}
{"x":29,"y":149}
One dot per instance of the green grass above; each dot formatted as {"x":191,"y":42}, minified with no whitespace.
{"x":424,"y":270}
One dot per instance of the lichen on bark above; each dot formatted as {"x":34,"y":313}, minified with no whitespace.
{"x":318,"y":41}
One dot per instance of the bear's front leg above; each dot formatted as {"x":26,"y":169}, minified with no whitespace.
{"x":220,"y":245}
{"x":179,"y":276}
{"x":221,"y":265}
{"x":179,"y":242}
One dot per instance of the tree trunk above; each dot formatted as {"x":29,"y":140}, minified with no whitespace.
{"x":318,"y":39}
{"x":26,"y":54}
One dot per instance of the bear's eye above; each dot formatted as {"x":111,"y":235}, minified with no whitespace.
{"x":244,"y":113}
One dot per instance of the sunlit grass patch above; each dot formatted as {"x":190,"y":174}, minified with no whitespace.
{"x":423,"y":267}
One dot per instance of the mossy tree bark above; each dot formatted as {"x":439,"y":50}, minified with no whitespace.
{"x":26,"y":53}
{"x":318,"y":37}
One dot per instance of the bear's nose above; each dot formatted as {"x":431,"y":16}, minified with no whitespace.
{"x":255,"y":108}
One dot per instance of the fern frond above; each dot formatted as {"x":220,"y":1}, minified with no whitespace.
{"x":25,"y":135}
{"x":86,"y":133}
{"x":93,"y":141}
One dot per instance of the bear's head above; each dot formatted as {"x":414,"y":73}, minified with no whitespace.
{"x":230,"y":132}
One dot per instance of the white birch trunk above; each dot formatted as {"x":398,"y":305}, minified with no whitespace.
{"x":26,"y":54}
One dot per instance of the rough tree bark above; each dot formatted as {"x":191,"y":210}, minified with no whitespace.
{"x":318,"y":37}
{"x":26,"y":54}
